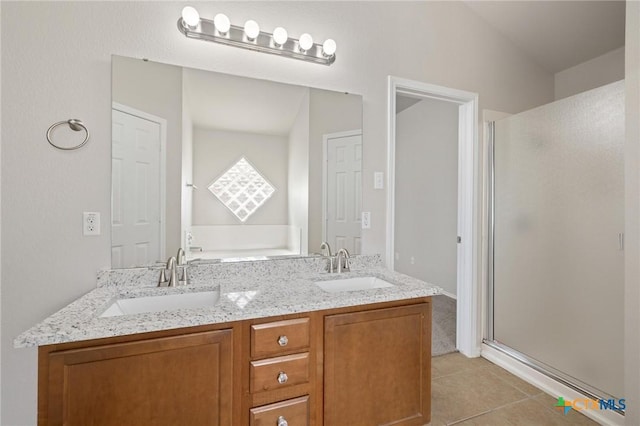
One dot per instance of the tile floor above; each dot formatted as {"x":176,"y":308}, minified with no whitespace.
{"x":473,"y":391}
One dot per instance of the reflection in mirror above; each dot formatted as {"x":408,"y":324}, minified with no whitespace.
{"x":230,"y":167}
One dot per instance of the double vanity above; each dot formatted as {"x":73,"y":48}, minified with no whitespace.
{"x":277,"y":342}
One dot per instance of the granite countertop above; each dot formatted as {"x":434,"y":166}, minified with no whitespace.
{"x":241,"y":298}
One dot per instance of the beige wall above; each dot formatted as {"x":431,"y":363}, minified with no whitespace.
{"x":155,"y":89}
{"x":215,"y":151}
{"x":426,"y":209}
{"x":58,"y":66}
{"x":632,"y":215}
{"x":588,"y":75}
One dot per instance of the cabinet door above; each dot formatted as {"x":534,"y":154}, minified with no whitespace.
{"x":377,"y":367}
{"x":181,"y":380}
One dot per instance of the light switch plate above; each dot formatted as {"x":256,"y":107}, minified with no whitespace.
{"x":366,"y":220}
{"x":378,"y":180}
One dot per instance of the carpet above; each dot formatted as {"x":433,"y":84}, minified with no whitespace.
{"x":443,"y":328}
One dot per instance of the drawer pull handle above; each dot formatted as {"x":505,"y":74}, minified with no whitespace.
{"x":282,"y":421}
{"x":283,"y":340}
{"x":282,"y":377}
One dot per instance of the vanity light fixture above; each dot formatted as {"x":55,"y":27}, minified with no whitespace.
{"x":329,"y":47}
{"x":221,"y":23}
{"x":250,"y":36}
{"x":190,"y":17}
{"x":280,"y":36}
{"x":251,"y":30}
{"x":306,"y":42}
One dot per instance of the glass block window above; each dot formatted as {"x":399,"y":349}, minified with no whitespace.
{"x":242,"y":189}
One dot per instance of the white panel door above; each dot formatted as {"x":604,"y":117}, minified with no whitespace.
{"x":135,"y":205}
{"x":344,"y":199}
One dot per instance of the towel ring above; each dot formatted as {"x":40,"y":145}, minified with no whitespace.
{"x":75,"y":125}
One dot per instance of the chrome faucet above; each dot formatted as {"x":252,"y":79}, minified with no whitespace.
{"x":176,"y":267}
{"x":343,"y":266}
{"x":171,"y":268}
{"x":181,"y":266}
{"x":180,"y":257}
{"x":323,"y":246}
{"x":330,"y":258}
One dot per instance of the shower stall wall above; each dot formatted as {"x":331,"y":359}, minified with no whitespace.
{"x":557,"y":239}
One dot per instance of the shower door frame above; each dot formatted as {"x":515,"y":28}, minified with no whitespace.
{"x":494,"y":347}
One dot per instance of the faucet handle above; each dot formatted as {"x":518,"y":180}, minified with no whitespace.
{"x":184,"y":277}
{"x":162,"y":280}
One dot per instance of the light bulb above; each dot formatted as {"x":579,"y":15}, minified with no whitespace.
{"x":221,"y":22}
{"x":329,"y":47}
{"x":190,"y":17}
{"x":306,"y":41}
{"x":251,"y":29}
{"x":280,"y":36}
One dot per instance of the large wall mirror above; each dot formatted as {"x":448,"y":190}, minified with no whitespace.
{"x":229,"y":167}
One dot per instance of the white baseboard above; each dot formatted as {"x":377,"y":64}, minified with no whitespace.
{"x":548,"y":385}
{"x":451,"y":295}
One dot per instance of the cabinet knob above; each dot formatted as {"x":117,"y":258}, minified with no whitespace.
{"x":283,"y":340}
{"x":282,"y":421}
{"x":282,"y":377}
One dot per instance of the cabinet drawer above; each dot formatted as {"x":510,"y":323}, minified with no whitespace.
{"x":281,"y":336}
{"x":276,"y":373}
{"x":294,"y":412}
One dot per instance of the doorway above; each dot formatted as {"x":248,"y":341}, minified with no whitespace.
{"x":465,"y":238}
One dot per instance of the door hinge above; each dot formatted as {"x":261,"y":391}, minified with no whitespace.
{"x":459,"y":239}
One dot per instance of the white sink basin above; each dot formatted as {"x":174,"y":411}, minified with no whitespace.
{"x":352,"y":284}
{"x":168,"y":302}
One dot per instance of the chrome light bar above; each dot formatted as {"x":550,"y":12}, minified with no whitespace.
{"x":192,"y":26}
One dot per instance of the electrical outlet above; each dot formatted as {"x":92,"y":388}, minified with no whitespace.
{"x":378,"y":180}
{"x":91,"y":223}
{"x":412,"y":260}
{"x":366,"y":220}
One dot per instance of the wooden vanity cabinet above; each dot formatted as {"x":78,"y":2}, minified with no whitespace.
{"x":282,"y":371}
{"x":362,"y":365}
{"x":175,"y":380}
{"x":377,"y":367}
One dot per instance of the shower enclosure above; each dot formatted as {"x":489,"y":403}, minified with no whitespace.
{"x":557,"y":239}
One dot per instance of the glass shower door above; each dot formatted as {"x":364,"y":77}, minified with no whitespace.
{"x":558,"y":223}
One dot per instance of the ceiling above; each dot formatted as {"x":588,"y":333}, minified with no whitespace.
{"x":227,"y":102}
{"x":557,"y":34}
{"x":403,"y":102}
